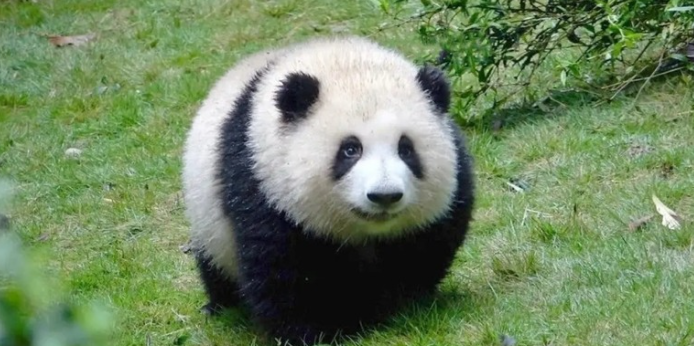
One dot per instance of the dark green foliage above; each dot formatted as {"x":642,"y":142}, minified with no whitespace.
{"x":498,"y":45}
{"x":24,"y":318}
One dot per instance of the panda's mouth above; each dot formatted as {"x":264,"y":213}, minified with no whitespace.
{"x":374,"y":217}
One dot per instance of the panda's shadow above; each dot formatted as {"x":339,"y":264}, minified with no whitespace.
{"x":235,"y":323}
{"x":513,"y":115}
{"x":430,"y":314}
{"x":448,"y":307}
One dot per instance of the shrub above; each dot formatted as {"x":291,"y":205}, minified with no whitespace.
{"x":30,"y":313}
{"x":498,"y":46}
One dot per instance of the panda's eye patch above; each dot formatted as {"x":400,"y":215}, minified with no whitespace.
{"x":351,"y":148}
{"x":405,"y":147}
{"x":346,"y":157}
{"x":408,"y":154}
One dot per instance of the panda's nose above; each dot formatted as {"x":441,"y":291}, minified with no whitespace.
{"x":384,"y":199}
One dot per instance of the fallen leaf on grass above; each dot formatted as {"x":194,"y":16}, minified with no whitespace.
{"x":76,"y":40}
{"x":514,"y":186}
{"x":670,"y":219}
{"x":636,"y":224}
{"x":517,"y":185}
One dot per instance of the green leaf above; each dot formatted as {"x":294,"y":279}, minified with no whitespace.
{"x":384,"y":5}
{"x":494,"y":41}
{"x":680,"y":9}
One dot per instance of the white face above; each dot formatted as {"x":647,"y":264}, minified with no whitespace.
{"x":380,"y":184}
{"x":370,"y":158}
{"x":379,"y":167}
{"x":379,"y":192}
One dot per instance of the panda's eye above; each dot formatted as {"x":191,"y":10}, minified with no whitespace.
{"x":351,"y":150}
{"x":405,"y":148}
{"x":405,"y":151}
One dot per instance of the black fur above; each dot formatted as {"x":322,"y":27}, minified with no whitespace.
{"x":297,"y":94}
{"x":434,"y":82}
{"x":342,"y":163}
{"x":298,"y":286}
{"x":412,"y":158}
{"x":222,"y":291}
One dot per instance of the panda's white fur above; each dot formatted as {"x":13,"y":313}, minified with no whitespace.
{"x":292,"y":170}
{"x":376,"y":103}
{"x":211,"y":229}
{"x":367,"y":91}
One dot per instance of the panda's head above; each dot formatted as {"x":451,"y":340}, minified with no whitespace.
{"x":355,"y":142}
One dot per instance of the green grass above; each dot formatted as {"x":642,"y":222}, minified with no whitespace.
{"x":555,"y":265}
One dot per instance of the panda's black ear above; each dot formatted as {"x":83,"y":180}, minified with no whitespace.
{"x":434,"y":82}
{"x":297,"y":93}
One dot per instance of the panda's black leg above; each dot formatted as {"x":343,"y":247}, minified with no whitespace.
{"x":222,"y":292}
{"x":413,"y":267}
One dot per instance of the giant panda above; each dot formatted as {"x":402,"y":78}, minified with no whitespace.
{"x":325,"y":185}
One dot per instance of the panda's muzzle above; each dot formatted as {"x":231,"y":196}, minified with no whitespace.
{"x":384,"y":203}
{"x":384,"y":199}
{"x":374,"y":217}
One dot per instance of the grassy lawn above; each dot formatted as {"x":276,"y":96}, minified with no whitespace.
{"x":555,"y":265}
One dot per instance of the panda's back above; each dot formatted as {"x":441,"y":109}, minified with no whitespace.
{"x":211,"y":230}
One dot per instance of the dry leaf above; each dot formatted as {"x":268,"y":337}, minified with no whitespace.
{"x":517,"y":184}
{"x":514,"y":186}
{"x":670,"y":219}
{"x":77,"y":40}
{"x":636,"y":224}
